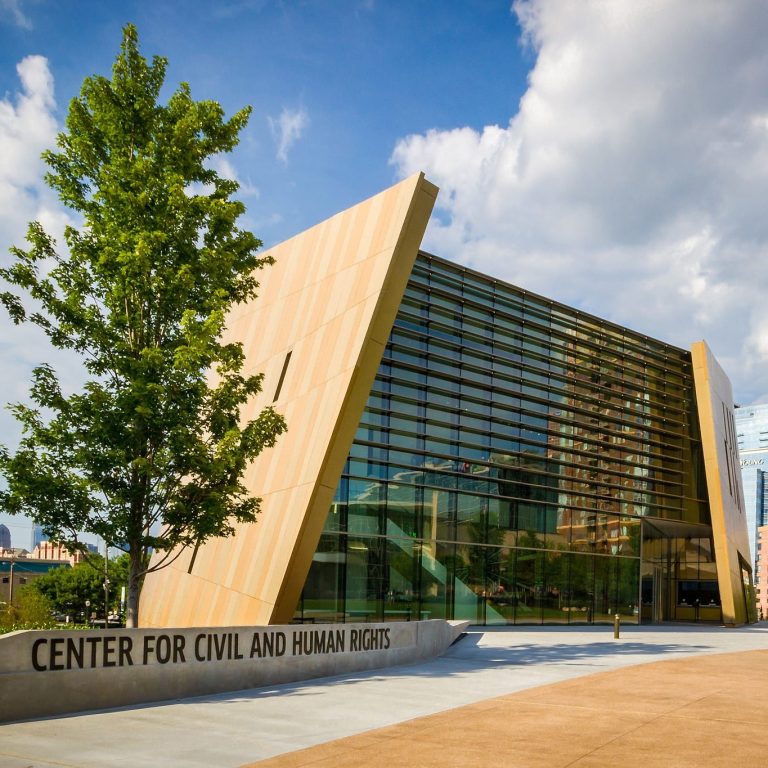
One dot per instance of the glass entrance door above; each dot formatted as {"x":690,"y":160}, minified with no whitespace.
{"x":652,"y":594}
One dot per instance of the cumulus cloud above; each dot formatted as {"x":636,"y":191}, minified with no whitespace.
{"x":288,"y":129}
{"x":632,"y":179}
{"x":27,"y":127}
{"x":11,"y":9}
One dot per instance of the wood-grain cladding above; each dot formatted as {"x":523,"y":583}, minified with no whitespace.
{"x":330,"y":301}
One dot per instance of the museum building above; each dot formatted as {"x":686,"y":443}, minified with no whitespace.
{"x":461,"y":448}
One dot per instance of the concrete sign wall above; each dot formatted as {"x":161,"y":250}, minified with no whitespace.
{"x":53,"y":672}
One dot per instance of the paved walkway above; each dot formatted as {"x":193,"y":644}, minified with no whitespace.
{"x":644,"y":711}
{"x":704,"y":712}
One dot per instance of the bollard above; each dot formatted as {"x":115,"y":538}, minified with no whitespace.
{"x":616,"y":626}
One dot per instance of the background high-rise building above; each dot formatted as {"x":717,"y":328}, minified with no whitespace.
{"x":37,"y":537}
{"x":5,"y":537}
{"x":752,"y":434}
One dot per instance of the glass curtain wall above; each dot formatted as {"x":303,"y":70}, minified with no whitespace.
{"x":508,"y":450}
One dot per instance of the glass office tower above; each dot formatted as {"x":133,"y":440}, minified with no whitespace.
{"x":752,"y":435}
{"x":518,"y":461}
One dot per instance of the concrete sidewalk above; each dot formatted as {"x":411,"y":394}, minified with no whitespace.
{"x":230,"y":730}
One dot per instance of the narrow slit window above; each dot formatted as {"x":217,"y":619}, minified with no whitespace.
{"x":282,"y":377}
{"x":193,"y":558}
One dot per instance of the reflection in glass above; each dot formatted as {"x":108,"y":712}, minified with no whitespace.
{"x":323,"y":596}
{"x":508,"y":454}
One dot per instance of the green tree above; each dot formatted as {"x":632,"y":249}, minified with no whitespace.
{"x":68,"y":589}
{"x":119,"y":571}
{"x":30,"y":610}
{"x":150,"y":454}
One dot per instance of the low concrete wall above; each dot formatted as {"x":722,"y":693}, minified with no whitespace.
{"x":55,"y":672}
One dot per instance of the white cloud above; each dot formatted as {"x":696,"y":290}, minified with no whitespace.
{"x":632,"y":181}
{"x":27,"y":127}
{"x":288,"y":129}
{"x":12,"y":9}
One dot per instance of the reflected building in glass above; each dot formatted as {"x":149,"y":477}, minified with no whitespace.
{"x":461,"y":448}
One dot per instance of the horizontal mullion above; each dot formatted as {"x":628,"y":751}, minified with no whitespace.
{"x":459,"y":334}
{"x":520,"y":394}
{"x":541,"y":502}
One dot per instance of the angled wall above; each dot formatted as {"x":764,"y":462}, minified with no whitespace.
{"x":714,"y":399}
{"x":317,"y":331}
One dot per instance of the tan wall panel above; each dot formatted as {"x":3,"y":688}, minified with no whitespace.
{"x":714,"y":399}
{"x":330,"y":299}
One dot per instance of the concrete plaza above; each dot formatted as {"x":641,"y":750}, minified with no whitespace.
{"x":510,"y":696}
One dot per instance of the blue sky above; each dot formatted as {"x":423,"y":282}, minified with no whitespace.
{"x":611,"y":155}
{"x":364,"y":74}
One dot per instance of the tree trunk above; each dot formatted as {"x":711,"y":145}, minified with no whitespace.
{"x":135,"y":577}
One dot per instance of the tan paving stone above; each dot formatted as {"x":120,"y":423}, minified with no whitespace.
{"x":725,"y":706}
{"x":702,"y":712}
{"x":681,"y":743}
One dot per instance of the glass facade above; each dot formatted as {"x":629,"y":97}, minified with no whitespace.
{"x":752,"y":434}
{"x":509,"y":452}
